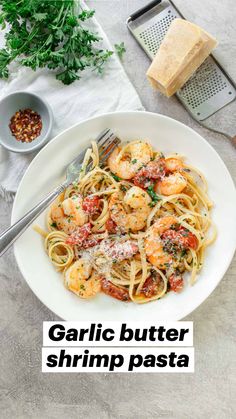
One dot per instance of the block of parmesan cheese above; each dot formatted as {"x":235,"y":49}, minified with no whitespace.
{"x":183,"y":49}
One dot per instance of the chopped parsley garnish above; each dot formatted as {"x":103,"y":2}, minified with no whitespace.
{"x":170,"y":247}
{"x":117,"y":178}
{"x":134,"y":161}
{"x":54,"y":225}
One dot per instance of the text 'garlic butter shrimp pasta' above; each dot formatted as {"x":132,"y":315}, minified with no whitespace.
{"x":130,"y":229}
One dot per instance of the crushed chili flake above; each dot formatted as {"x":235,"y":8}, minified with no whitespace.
{"x":26,"y":125}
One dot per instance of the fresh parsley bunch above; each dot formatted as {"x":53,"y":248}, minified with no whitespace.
{"x":50,"y":33}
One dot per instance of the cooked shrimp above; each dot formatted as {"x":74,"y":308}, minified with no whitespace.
{"x":73,"y":208}
{"x":170,"y":185}
{"x":138,"y":209}
{"x":81,"y":279}
{"x":136,"y":197}
{"x":153,"y":243}
{"x":173,"y":164}
{"x":69,"y":214}
{"x":126,"y":161}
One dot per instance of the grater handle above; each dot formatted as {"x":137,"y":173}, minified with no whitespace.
{"x":143,"y":10}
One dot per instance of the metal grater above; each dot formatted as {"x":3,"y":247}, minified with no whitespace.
{"x":210,"y":88}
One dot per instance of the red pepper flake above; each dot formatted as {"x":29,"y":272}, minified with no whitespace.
{"x":26,"y":125}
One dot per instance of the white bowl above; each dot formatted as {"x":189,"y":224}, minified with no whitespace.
{"x":24,"y":100}
{"x":47,"y":170}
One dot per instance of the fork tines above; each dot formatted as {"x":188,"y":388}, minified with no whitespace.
{"x":105,"y":153}
{"x":106,"y":138}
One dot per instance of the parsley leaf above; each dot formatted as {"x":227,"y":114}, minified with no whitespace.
{"x":183,"y":253}
{"x":152,"y":204}
{"x":117,"y":178}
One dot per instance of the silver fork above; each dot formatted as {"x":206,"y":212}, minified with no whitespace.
{"x":107,"y":141}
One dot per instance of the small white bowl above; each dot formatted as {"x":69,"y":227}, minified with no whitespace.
{"x":23,"y":100}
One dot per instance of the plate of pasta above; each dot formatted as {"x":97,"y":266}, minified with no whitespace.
{"x":136,"y":236}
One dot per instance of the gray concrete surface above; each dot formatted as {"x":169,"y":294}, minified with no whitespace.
{"x":209,"y":393}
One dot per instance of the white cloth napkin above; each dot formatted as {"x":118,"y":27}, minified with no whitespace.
{"x":82,"y":99}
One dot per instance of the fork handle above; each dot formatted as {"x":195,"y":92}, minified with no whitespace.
{"x":9,"y":236}
{"x":233,"y":139}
